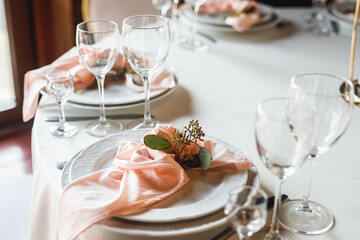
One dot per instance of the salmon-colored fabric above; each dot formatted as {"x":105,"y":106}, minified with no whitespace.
{"x":141,"y":177}
{"x":238,"y":18}
{"x":35,"y":80}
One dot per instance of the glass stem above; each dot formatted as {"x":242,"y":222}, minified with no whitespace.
{"x":61,"y":112}
{"x":194,"y":25}
{"x":304,"y":205}
{"x":274,"y":229}
{"x":242,"y":236}
{"x":100,"y":81}
{"x":147,"y":115}
{"x":163,"y":11}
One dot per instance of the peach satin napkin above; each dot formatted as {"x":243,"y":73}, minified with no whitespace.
{"x":140,"y":177}
{"x":35,"y":80}
{"x":240,"y":17}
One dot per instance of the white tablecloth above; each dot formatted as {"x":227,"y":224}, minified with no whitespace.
{"x":221,"y":88}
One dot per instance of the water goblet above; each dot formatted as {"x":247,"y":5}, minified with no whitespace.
{"x":146,"y":42}
{"x":162,"y":6}
{"x":331,"y":119}
{"x":280,"y":151}
{"x":97,"y":43}
{"x":192,"y":43}
{"x":246,"y":209}
{"x":60,"y":85}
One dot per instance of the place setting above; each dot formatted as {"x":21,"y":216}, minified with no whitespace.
{"x":145,"y":178}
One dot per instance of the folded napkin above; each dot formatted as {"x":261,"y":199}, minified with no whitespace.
{"x":141,"y":176}
{"x":242,"y":14}
{"x":35,"y":80}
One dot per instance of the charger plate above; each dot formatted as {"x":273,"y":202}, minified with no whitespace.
{"x":203,"y":194}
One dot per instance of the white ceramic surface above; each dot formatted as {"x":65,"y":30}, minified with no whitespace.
{"x":269,"y":19}
{"x":203,"y":194}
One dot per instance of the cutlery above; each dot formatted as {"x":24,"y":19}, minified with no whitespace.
{"x":82,"y":118}
{"x":206,"y":36}
{"x":229,"y":231}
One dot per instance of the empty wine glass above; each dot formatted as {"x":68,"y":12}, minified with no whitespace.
{"x":280,"y":151}
{"x":162,"y":6}
{"x":246,"y":209}
{"x":97,"y":43}
{"x":318,"y":20}
{"x":60,"y":85}
{"x":192,"y":43}
{"x":146,"y":42}
{"x":331,"y":119}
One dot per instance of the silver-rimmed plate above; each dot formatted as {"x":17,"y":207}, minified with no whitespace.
{"x":203,"y":194}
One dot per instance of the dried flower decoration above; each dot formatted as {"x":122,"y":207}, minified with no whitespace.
{"x":188,"y":152}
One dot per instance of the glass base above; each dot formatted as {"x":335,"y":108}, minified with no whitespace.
{"x":98,"y":129}
{"x":194,"y":46}
{"x":265,"y":235}
{"x":140,"y":124}
{"x":66,"y":130}
{"x":317,"y":221}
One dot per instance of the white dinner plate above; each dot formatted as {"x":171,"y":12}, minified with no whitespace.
{"x":169,"y":229}
{"x":203,"y":194}
{"x":116,"y":96}
{"x":269,"y":19}
{"x":341,"y":10}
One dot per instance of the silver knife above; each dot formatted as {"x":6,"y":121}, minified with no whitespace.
{"x":83,"y":118}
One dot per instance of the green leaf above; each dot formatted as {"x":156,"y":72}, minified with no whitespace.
{"x":205,"y":158}
{"x":157,"y":142}
{"x":137,"y":80}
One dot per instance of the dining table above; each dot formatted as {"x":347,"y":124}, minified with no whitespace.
{"x":221,"y":88}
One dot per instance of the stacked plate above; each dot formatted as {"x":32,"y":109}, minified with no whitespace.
{"x":269,"y":19}
{"x":342,"y":15}
{"x":116,"y":96}
{"x":197,"y":207}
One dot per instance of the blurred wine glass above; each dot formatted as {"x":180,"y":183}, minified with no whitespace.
{"x":192,"y":43}
{"x":146,"y":42}
{"x":246,"y":208}
{"x":97,"y":43}
{"x":317,"y":19}
{"x":332,"y":116}
{"x":162,"y":6}
{"x":280,"y":151}
{"x":60,"y":85}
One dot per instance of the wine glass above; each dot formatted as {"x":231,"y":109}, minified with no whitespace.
{"x":246,"y":209}
{"x":331,"y":119}
{"x":280,"y":151}
{"x":162,"y":6}
{"x":192,"y":43}
{"x":318,"y":20}
{"x":97,"y":44}
{"x":60,"y":85}
{"x":146,"y":42}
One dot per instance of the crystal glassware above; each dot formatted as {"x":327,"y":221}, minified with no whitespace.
{"x":332,"y":116}
{"x":192,"y":43}
{"x":162,"y":6}
{"x":280,"y":151}
{"x":60,"y":85}
{"x":146,"y":42}
{"x":97,"y":43}
{"x":318,"y":20}
{"x":246,"y":209}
